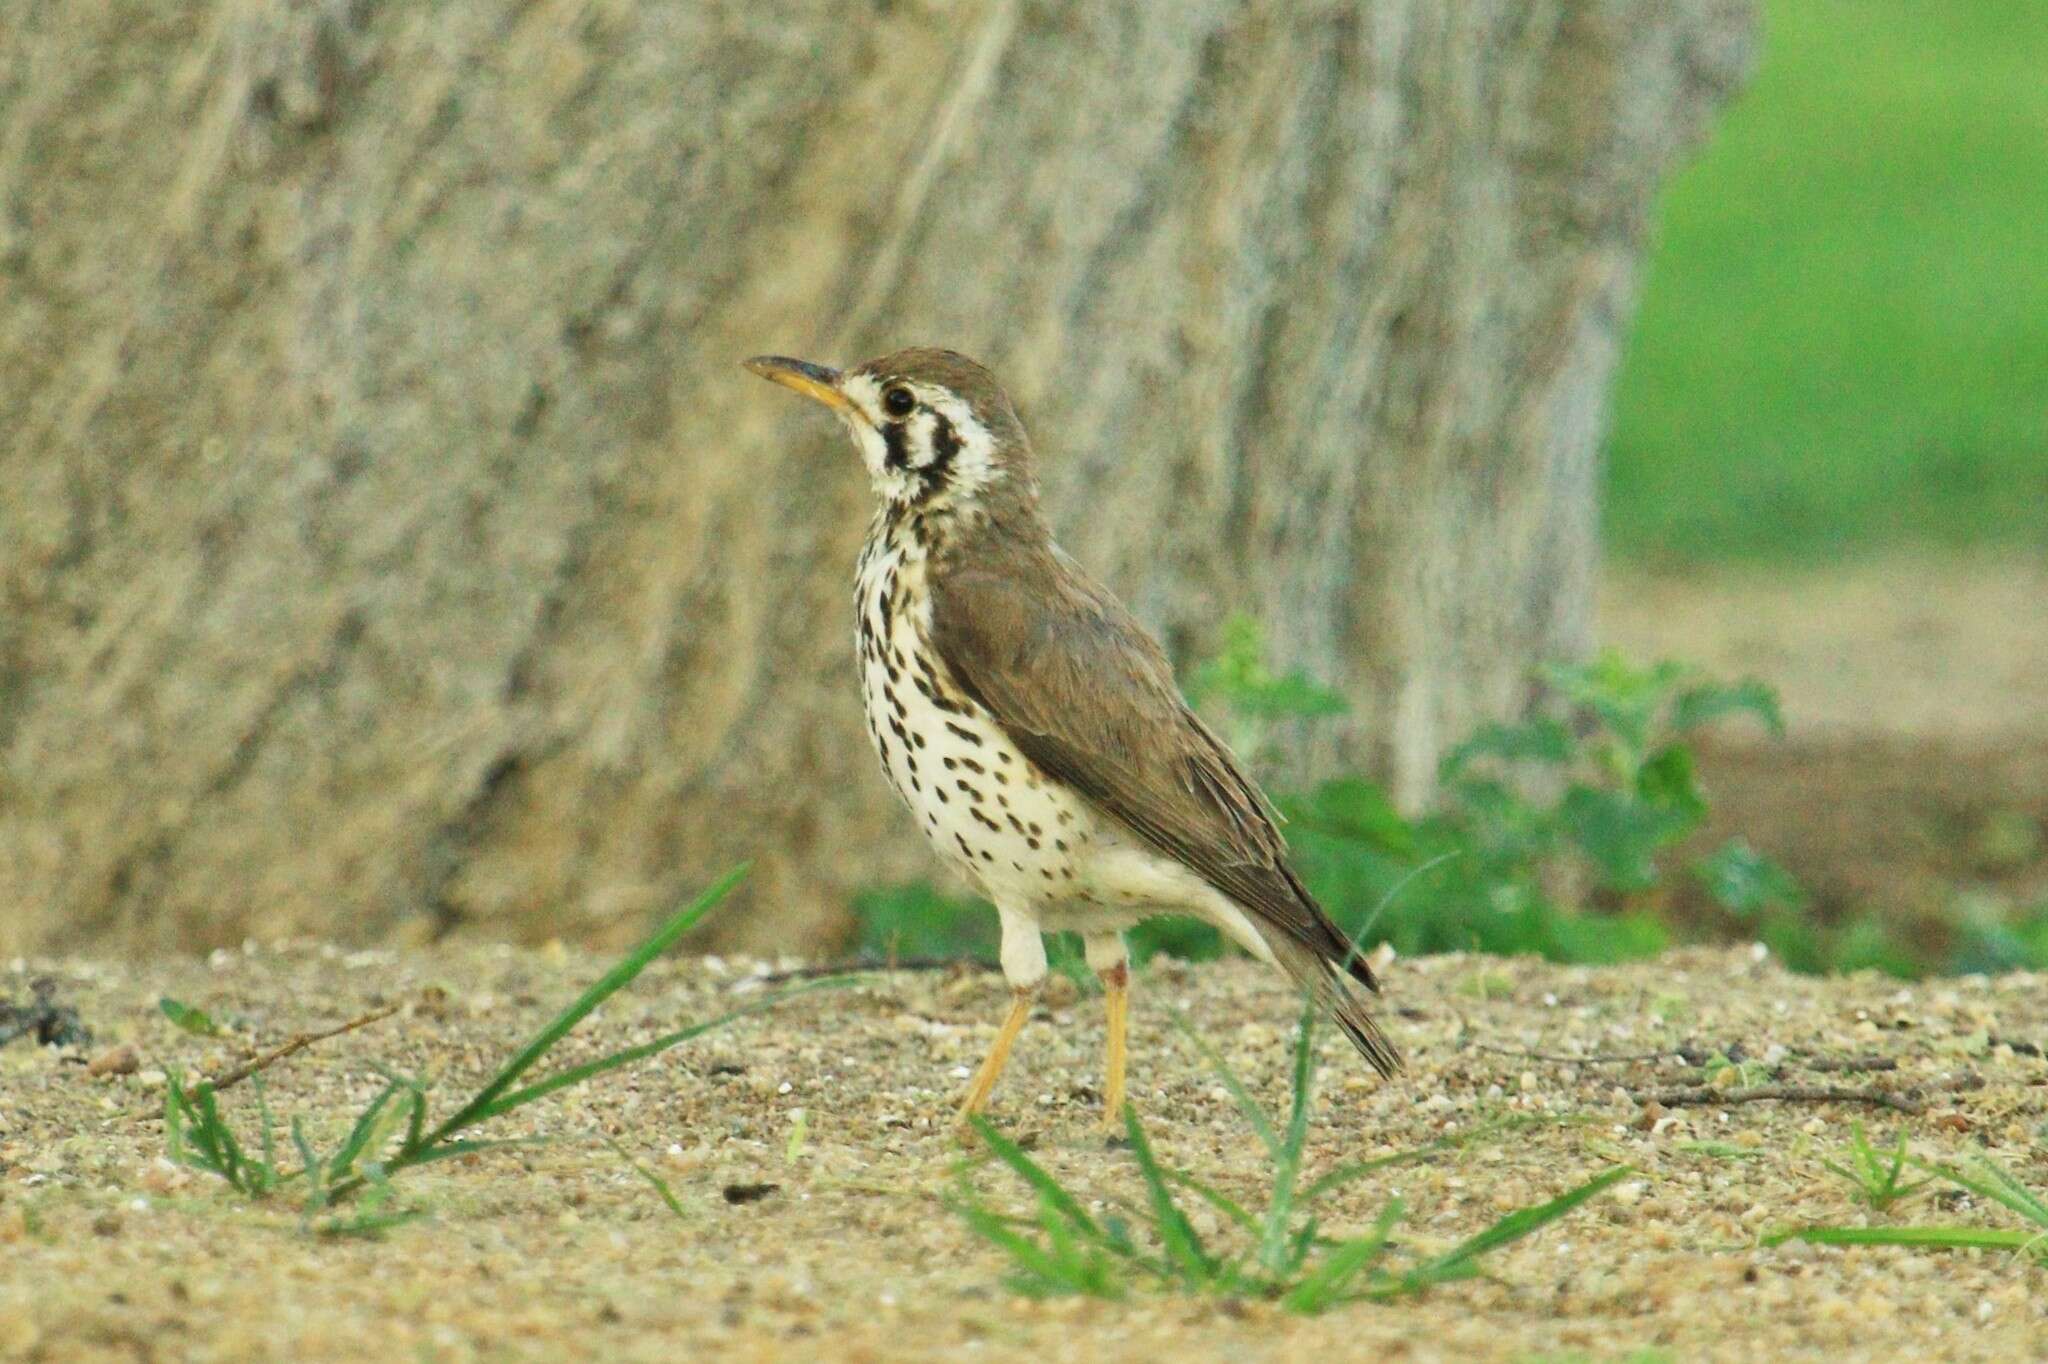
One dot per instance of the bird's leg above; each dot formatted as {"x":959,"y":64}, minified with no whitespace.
{"x":998,"y":1055}
{"x":1024,"y":967}
{"x":1106,"y":955}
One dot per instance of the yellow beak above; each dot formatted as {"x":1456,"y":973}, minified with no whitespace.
{"x":813,"y":381}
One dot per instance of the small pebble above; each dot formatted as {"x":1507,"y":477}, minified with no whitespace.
{"x":119,"y":1060}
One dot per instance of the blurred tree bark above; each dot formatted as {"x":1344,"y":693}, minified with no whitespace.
{"x":390,"y":545}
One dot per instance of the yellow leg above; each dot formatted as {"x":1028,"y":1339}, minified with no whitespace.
{"x":1116,"y":991}
{"x":998,"y":1056}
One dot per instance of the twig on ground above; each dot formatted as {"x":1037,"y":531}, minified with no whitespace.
{"x":824,"y":970}
{"x":1809,"y":1094}
{"x":297,"y":1042}
{"x":1847,"y":1065}
{"x":1690,"y":1055}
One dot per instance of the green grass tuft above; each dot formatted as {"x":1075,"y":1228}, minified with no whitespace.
{"x":395,"y":1132}
{"x":1277,"y":1252}
{"x":1987,"y":1180}
{"x":1878,"y":1176}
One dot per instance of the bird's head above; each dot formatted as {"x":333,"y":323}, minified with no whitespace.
{"x":934,"y":428}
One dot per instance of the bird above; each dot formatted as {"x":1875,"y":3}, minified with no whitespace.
{"x":1034,"y":727}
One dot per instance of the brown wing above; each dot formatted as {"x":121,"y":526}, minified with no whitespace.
{"x":1084,"y":692}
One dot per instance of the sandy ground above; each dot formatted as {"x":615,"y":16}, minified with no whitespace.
{"x":560,"y":1250}
{"x":1914,"y":774}
{"x":1948,"y":649}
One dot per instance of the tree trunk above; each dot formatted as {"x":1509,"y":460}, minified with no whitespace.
{"x":391,"y":545}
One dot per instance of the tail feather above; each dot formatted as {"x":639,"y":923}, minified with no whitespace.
{"x":1335,"y":988}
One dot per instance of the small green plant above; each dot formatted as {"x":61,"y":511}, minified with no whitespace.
{"x":1540,"y":814}
{"x":1878,"y":1176}
{"x":1558,"y":835}
{"x":654,"y":1181}
{"x":394,"y":1132}
{"x":1988,"y":1180}
{"x":185,"y":1018}
{"x":1253,"y":697}
{"x":1281,"y":1255}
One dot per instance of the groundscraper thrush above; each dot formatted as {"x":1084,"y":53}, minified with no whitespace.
{"x":1033,"y":726}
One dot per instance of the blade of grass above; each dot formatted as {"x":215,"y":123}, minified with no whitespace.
{"x":344,"y":1159}
{"x":1246,"y":1104}
{"x":310,"y":1166}
{"x":1273,"y":1255}
{"x":1944,"y":1238}
{"x":660,"y":1185}
{"x":1042,"y":1269}
{"x":1087,"y":1267}
{"x":1996,"y":1184}
{"x":1358,"y":939}
{"x":1326,"y":1285}
{"x":1034,"y":1174}
{"x":268,"y":1141}
{"x":1216,"y":1199}
{"x":1462,"y":1258}
{"x":576,"y":1075}
{"x":1177,"y":1235}
{"x":449,"y":1150}
{"x":609,"y":984}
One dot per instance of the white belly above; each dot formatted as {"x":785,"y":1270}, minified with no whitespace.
{"x":1032,"y":846}
{"x":979,"y":800}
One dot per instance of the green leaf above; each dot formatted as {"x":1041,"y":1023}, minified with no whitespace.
{"x":917,"y":921}
{"x":1666,"y":780}
{"x":1625,"y":697}
{"x":1355,"y":809}
{"x":1603,"y":939}
{"x":1703,"y":704}
{"x":1238,"y":677}
{"x":1542,"y":739}
{"x":1619,"y":836}
{"x":1745,"y":882}
{"x":188,"y":1019}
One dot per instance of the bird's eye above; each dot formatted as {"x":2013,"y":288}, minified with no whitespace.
{"x":899,"y":401}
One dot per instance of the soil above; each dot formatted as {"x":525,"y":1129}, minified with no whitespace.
{"x":1914,"y":772}
{"x":841,"y":1248}
{"x":1952,"y":650}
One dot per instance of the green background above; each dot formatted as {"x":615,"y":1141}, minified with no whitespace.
{"x":1843,"y":336}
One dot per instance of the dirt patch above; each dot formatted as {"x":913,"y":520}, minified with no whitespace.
{"x":1953,"y":650}
{"x":1915,"y":772}
{"x":1899,"y":824}
{"x":841,"y":1251}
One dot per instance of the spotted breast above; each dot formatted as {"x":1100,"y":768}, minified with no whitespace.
{"x":982,"y":803}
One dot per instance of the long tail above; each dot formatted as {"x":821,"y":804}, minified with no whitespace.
{"x":1340,"y":989}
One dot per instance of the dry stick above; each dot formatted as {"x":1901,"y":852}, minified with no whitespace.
{"x":1809,"y":1094}
{"x":1596,"y":1059}
{"x":899,"y":964}
{"x":1848,"y":1064}
{"x":297,"y":1042}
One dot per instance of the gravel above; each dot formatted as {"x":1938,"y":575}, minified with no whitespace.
{"x":835,"y":1245}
